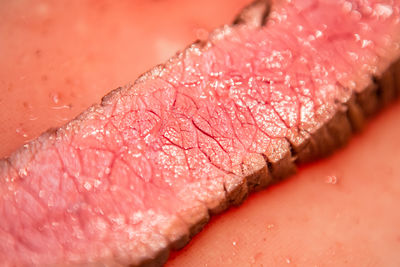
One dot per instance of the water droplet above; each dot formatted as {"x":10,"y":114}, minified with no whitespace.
{"x":136,"y":218}
{"x":21,"y":131}
{"x":55,"y":98}
{"x":366,"y":43}
{"x":65,"y":119}
{"x":97,"y":183}
{"x":62,"y":107}
{"x":100,"y":211}
{"x":234,"y":243}
{"x":23,"y":172}
{"x":270,"y":226}
{"x":383,"y":10}
{"x":300,"y":28}
{"x":353,"y":55}
{"x":87,"y":186}
{"x":288,"y":261}
{"x":331,"y":179}
{"x":32,"y":118}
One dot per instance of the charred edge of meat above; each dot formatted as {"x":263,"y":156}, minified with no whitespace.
{"x":349,"y":119}
{"x":387,"y":86}
{"x":255,"y":14}
{"x":236,"y":193}
{"x":355,"y":114}
{"x":257,"y":170}
{"x":352,"y":117}
{"x":160,"y":259}
{"x":110,"y":96}
{"x":381,"y":92}
{"x":260,"y":170}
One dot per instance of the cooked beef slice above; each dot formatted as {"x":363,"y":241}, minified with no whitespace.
{"x":141,"y":173}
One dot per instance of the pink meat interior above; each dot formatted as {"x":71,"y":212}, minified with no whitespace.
{"x":122,"y":180}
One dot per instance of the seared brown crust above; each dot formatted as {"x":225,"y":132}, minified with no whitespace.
{"x":262,"y":170}
{"x":255,"y":14}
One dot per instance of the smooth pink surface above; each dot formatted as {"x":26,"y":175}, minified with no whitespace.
{"x":341,"y":210}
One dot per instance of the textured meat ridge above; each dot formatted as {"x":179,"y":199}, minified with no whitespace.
{"x":110,"y":161}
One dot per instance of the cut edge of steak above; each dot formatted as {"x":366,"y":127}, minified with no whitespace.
{"x":263,"y":170}
{"x":259,"y":170}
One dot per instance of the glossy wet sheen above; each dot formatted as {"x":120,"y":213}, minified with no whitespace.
{"x":291,"y":259}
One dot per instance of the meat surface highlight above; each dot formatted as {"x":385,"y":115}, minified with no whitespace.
{"x":141,"y":173}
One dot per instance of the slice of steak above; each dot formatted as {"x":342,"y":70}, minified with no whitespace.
{"x":141,"y":173}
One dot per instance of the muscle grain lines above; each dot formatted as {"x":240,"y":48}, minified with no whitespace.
{"x":142,"y":172}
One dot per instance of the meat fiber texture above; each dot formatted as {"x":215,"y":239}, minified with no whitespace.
{"x":139,"y":174}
